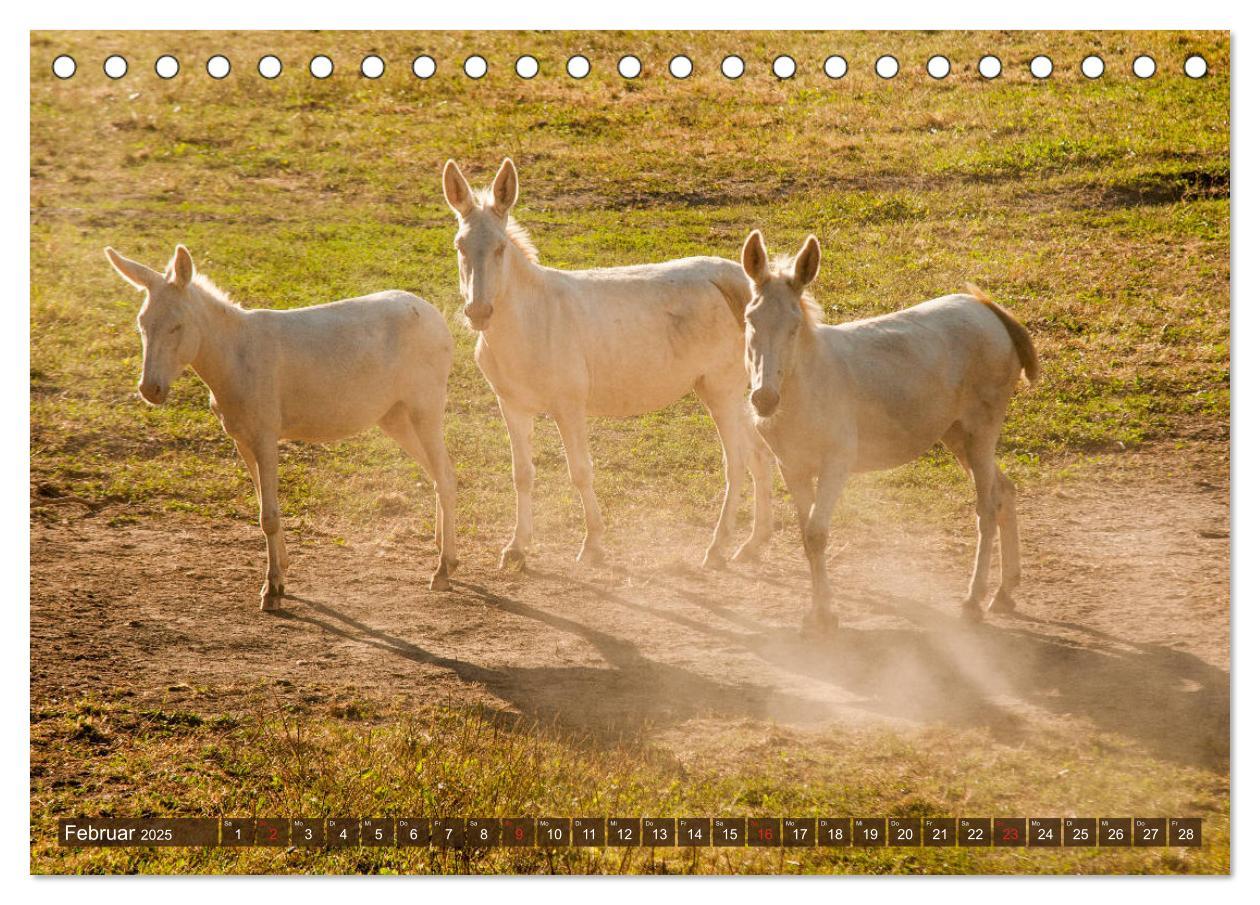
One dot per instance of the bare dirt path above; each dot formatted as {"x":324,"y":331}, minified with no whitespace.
{"x":1123,"y":626}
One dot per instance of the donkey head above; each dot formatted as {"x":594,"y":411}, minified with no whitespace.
{"x":775,"y":315}
{"x":168,"y":329}
{"x":482,"y":241}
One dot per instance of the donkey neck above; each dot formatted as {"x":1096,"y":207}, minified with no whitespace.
{"x":221,"y":326}
{"x":806,"y":361}
{"x":524,"y":287}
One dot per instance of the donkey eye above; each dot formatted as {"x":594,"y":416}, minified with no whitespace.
{"x":498,"y":252}
{"x":176,"y":328}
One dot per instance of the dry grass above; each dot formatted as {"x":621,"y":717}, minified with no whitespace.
{"x":316,"y":752}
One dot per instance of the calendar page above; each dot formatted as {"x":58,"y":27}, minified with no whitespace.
{"x":611,"y":452}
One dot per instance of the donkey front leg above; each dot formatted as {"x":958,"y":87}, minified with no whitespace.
{"x":817,"y":527}
{"x":266,"y":457}
{"x":520,"y":426}
{"x":572,"y":426}
{"x":251,"y":465}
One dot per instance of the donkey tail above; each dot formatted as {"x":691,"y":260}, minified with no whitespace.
{"x":1018,"y":333}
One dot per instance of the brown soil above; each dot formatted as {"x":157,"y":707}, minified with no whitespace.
{"x":1123,"y":623}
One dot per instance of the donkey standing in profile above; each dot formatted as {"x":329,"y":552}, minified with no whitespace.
{"x":612,"y":342}
{"x":832,"y":401}
{"x":320,"y":374}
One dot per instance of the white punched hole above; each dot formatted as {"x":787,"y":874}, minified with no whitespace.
{"x":887,"y":66}
{"x":835,"y":66}
{"x":218,"y":66}
{"x":784,"y":67}
{"x":166,"y":66}
{"x":1195,"y":66}
{"x":732,"y":66}
{"x":629,"y":67}
{"x":938,"y":67}
{"x":1144,"y":67}
{"x":476,"y":66}
{"x":372,"y":67}
{"x":270,"y":67}
{"x":990,"y":66}
{"x":64,"y":66}
{"x":1092,"y":67}
{"x":321,"y":67}
{"x":423,"y":67}
{"x":1041,"y":66}
{"x":680,"y":66}
{"x":115,"y":66}
{"x":578,"y":67}
{"x":527,"y":66}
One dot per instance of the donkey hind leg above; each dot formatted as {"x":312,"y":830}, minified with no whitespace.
{"x":266,"y":462}
{"x":728,"y":417}
{"x":761,"y":465}
{"x":1008,"y":530}
{"x":427,"y":424}
{"x":420,"y":436}
{"x":976,"y":454}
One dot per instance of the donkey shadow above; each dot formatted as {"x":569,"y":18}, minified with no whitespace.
{"x":635,"y":694}
{"x":937,"y":668}
{"x":931,"y":668}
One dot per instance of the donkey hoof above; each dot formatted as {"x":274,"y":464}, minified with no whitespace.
{"x":714,"y":561}
{"x":749,"y":552}
{"x":1002,"y":602}
{"x":512,"y":558}
{"x":971,"y":610}
{"x":439,"y":582}
{"x":269,"y":599}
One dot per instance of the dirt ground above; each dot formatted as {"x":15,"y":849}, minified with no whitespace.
{"x":1123,"y":622}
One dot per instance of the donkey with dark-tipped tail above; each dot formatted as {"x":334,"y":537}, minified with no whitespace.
{"x":832,"y":401}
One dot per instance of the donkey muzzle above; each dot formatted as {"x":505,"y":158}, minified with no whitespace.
{"x":153,"y":392}
{"x":765,"y":401}
{"x":478,"y":314}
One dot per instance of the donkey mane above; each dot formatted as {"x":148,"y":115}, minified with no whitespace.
{"x":517,"y":233}
{"x":783,"y":266}
{"x":207,"y":287}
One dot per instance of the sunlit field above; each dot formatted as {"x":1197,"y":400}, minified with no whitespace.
{"x":1096,"y":211}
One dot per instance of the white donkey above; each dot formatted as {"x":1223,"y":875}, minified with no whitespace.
{"x":320,"y":374}
{"x":610,"y":342}
{"x":832,"y":401}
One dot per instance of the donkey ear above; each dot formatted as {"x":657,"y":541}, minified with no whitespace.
{"x":133,"y":272}
{"x":180,"y":270}
{"x":505,"y":187}
{"x":455,"y":187}
{"x":808,"y":260}
{"x":756,"y":261}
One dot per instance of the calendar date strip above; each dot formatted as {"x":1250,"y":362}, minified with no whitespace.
{"x":644,"y":832}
